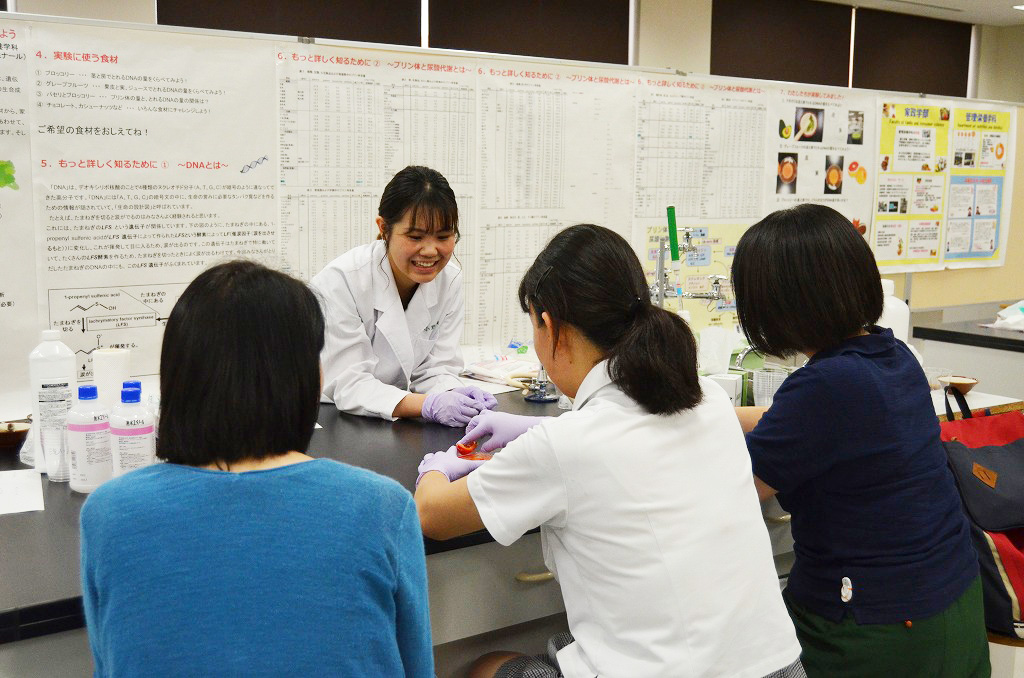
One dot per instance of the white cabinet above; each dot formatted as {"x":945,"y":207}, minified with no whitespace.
{"x":474,"y":590}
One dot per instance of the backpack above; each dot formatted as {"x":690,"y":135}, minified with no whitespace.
{"x":986,"y":455}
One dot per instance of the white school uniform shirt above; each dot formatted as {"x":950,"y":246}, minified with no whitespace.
{"x":653,"y":529}
{"x":375,"y":352}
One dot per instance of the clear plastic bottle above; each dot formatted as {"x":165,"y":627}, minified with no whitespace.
{"x":132,"y":440}
{"x":89,"y":441}
{"x":895,"y":312}
{"x":51,"y":368}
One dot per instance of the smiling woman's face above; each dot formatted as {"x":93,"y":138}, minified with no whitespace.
{"x":416,"y":255}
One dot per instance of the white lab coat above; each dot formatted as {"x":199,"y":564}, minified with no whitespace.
{"x":652,"y":526}
{"x":376,"y":352}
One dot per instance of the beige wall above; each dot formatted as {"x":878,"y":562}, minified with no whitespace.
{"x":674,"y":34}
{"x":136,"y":11}
{"x":1001,"y":55}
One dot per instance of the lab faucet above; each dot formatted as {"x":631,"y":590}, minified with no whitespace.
{"x":716,"y":289}
{"x":661,"y":286}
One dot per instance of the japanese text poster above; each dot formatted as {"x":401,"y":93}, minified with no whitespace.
{"x":912,"y":171}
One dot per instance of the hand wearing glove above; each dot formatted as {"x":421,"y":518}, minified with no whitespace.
{"x":450,"y":408}
{"x":485,"y":400}
{"x":501,"y":426}
{"x":449,"y":463}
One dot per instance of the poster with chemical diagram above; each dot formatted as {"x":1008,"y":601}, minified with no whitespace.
{"x":17,"y":266}
{"x":143,"y":175}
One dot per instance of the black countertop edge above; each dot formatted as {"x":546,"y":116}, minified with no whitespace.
{"x":471,"y":539}
{"x":39,"y":620}
{"x":970,"y":334}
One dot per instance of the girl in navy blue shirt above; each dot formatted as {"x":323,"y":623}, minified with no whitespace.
{"x":885,"y":580}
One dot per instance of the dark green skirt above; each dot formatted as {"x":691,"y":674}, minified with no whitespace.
{"x":950,"y":644}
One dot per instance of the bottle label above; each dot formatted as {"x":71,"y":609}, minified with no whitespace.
{"x":132,"y":448}
{"x":90,"y":452}
{"x":54,"y":402}
{"x":141,"y":431}
{"x":85,"y":428}
{"x":54,"y":399}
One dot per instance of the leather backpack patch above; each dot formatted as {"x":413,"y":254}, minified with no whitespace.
{"x":985,"y":475}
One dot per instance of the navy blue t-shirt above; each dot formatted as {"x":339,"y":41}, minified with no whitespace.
{"x":851,"y":443}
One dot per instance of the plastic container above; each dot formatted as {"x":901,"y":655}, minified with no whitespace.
{"x":469,"y":451}
{"x":89,"y":441}
{"x":895,"y":312}
{"x":132,"y":434}
{"x":52,"y":374}
{"x":766,"y":383}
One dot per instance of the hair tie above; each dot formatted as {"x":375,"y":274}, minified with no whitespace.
{"x":635,"y":307}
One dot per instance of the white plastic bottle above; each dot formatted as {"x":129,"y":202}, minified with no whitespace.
{"x":51,"y":368}
{"x":150,"y":402}
{"x":132,"y":440}
{"x":895,"y":312}
{"x":89,"y":441}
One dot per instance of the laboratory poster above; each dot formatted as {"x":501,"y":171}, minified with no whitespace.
{"x":704,"y":266}
{"x":540,"y":171}
{"x":913,"y":171}
{"x":700,"y":146}
{"x":144,"y":176}
{"x":136,"y":156}
{"x":823,"y":143}
{"x":349,"y":120}
{"x":978,"y":197}
{"x":17,"y":267}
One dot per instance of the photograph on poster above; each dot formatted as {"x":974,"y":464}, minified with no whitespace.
{"x":786,"y":179}
{"x":855,"y":127}
{"x":833,"y":174}
{"x":810,"y":124}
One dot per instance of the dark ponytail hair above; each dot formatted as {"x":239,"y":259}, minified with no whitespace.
{"x":425,"y":194}
{"x":589,"y":277}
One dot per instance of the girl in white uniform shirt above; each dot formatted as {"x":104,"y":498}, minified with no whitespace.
{"x":643,"y":492}
{"x":394,"y":311}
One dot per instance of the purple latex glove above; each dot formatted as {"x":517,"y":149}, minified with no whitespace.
{"x":450,"y":408}
{"x":449,"y":463}
{"x":485,"y":400}
{"x":501,"y":426}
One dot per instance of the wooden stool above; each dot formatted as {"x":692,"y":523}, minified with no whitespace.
{"x":1007,"y":656}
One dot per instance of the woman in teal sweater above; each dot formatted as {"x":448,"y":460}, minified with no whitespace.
{"x":242,"y":555}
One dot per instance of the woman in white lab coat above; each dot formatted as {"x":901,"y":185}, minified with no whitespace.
{"x":394,"y":311}
{"x":643,"y":492}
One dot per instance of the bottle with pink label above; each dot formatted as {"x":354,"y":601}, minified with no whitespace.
{"x":88,"y":441}
{"x":132,"y":433}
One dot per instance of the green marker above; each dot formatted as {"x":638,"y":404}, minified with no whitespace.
{"x":673,"y":236}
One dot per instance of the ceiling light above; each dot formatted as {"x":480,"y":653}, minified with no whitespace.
{"x":1020,"y":7}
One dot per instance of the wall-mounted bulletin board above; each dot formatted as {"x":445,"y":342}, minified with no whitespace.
{"x":134,"y":156}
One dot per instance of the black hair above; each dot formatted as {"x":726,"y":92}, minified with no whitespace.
{"x":240,"y":367}
{"x":589,"y":277}
{"x":804,"y":279}
{"x":424,"y":194}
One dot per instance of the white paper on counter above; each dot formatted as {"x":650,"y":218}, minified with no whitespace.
{"x":21,"y":491}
